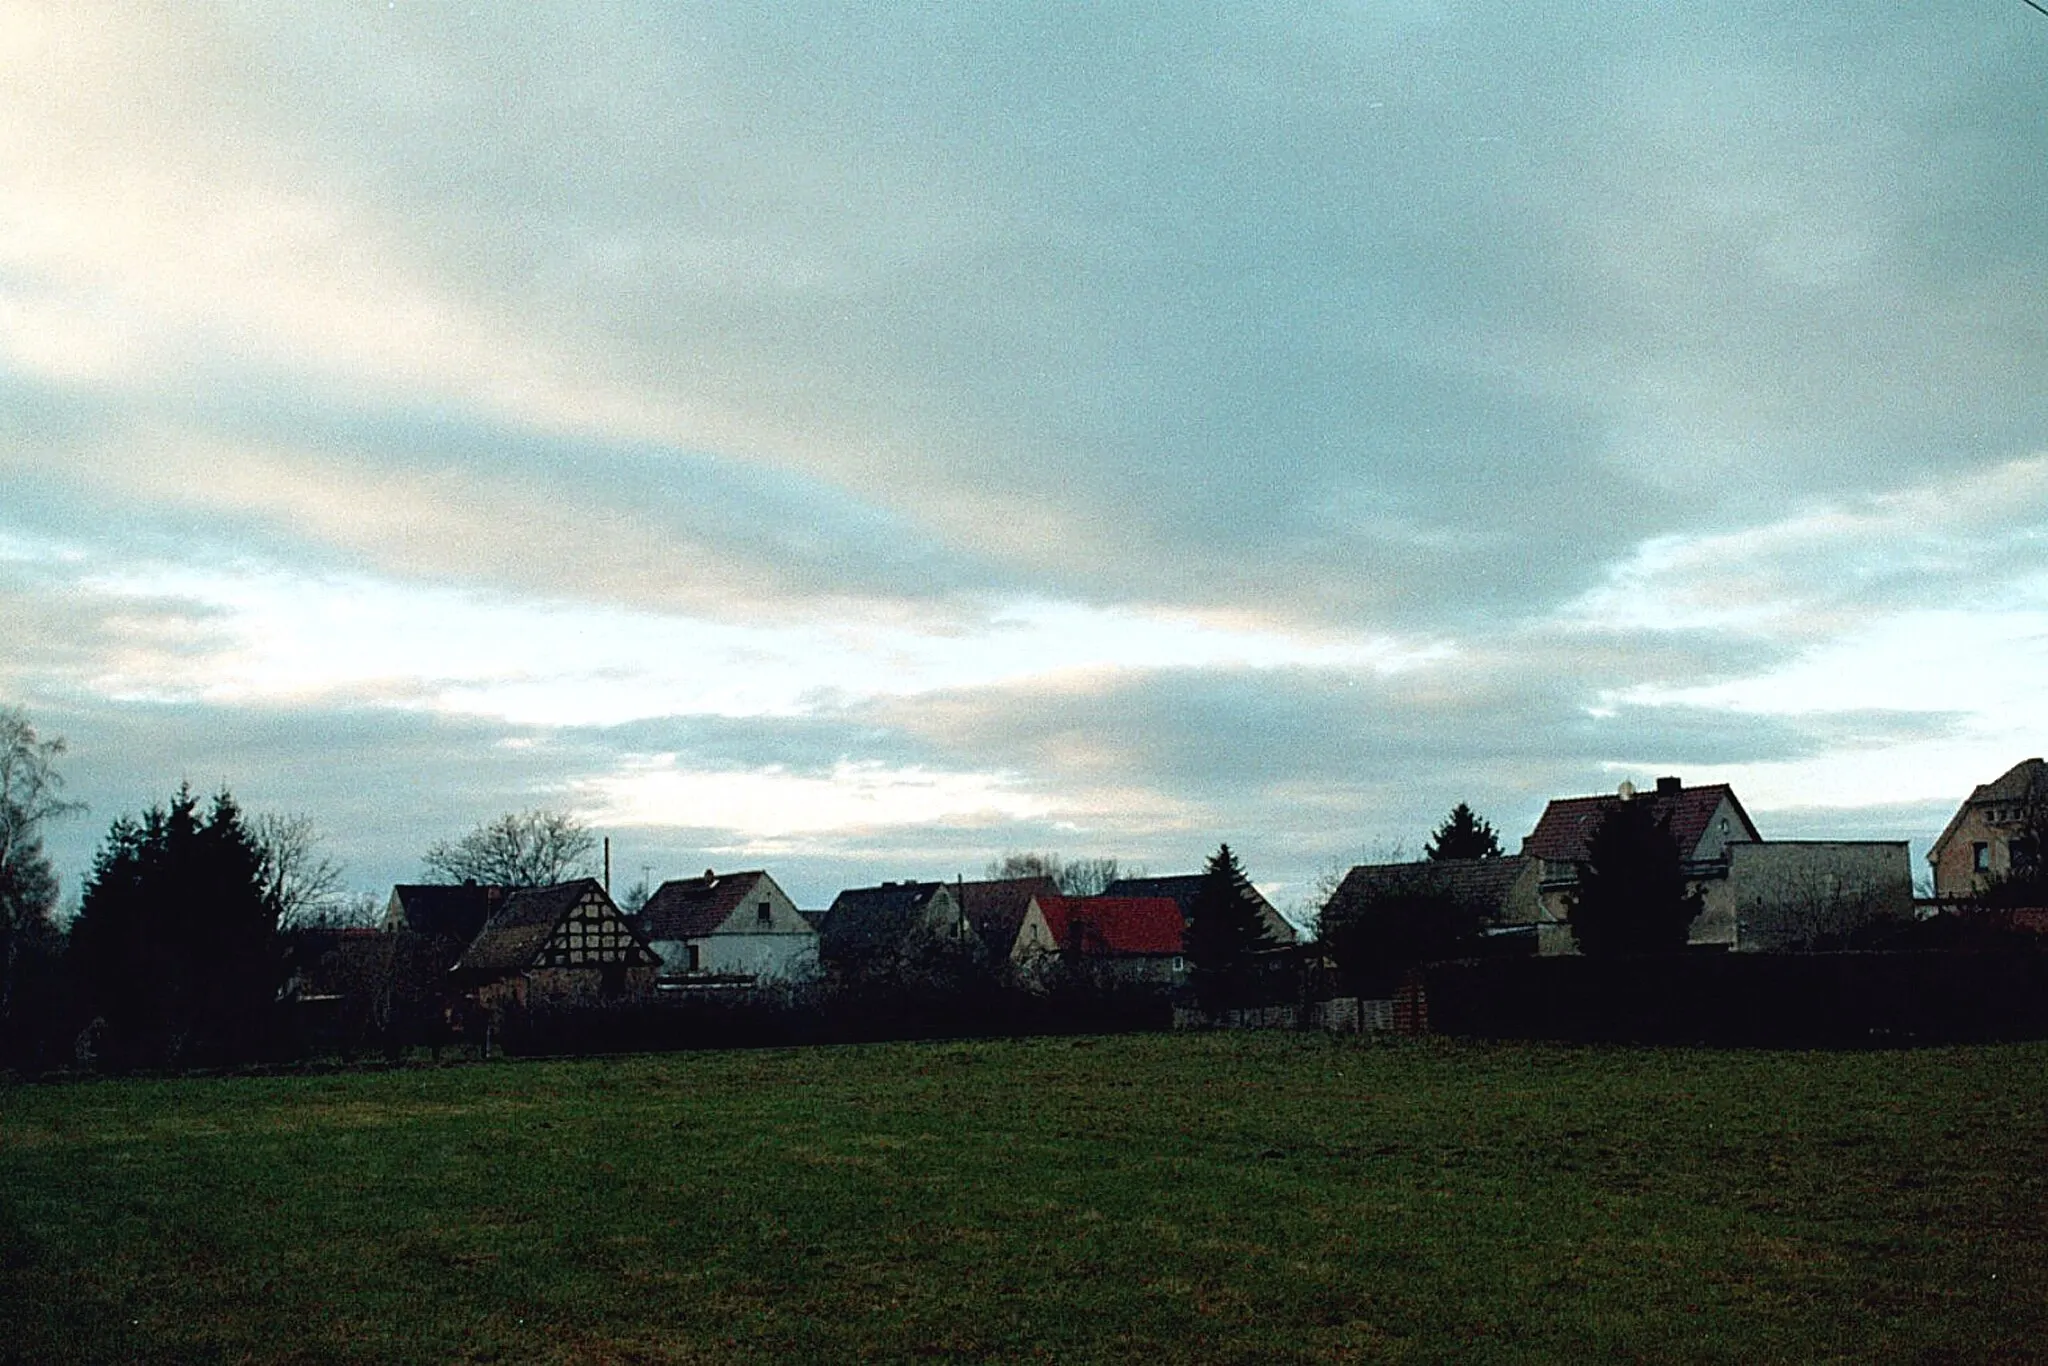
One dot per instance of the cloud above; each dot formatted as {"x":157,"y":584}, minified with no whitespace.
{"x":1100,"y":425}
{"x":767,"y":804}
{"x":240,"y":631}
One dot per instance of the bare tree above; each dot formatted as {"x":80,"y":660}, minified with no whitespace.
{"x":30,"y":788}
{"x":1815,"y":911}
{"x":1082,"y":877}
{"x":300,"y":880}
{"x":29,"y":784}
{"x":519,"y":849}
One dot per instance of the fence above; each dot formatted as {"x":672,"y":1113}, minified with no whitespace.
{"x":1777,"y":1000}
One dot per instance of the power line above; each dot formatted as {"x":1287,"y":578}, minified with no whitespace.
{"x":2035,"y":5}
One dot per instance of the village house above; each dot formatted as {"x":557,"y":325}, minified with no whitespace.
{"x":737,"y":928}
{"x":1184,"y":890}
{"x":1704,"y":822}
{"x":1129,"y":938}
{"x":875,"y":925}
{"x":1998,"y":820}
{"x":565,"y":944}
{"x":996,"y":908}
{"x":1755,"y":895}
{"x":1502,"y":894}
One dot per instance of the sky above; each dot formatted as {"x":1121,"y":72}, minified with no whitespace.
{"x":862,"y":440}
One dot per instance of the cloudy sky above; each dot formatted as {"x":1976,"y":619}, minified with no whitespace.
{"x":864,"y":439}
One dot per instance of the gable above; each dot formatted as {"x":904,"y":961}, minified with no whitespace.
{"x":2019,"y":785}
{"x":997,"y":908}
{"x":592,"y":933}
{"x":764,"y":909}
{"x":547,"y":926}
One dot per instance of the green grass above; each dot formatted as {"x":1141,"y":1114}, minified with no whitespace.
{"x":1198,"y":1198}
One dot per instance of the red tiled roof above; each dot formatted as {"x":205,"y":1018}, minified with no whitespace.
{"x":1568,"y":823}
{"x":1113,"y":924}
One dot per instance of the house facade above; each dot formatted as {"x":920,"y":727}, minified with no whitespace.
{"x":565,"y":944}
{"x":874,"y":926}
{"x":1705,"y":822}
{"x":1997,"y":819}
{"x":732,"y":927}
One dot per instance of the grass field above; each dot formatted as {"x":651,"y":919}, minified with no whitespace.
{"x":1170,"y":1198}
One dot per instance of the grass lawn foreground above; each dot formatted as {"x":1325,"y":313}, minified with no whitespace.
{"x":1252,"y":1198}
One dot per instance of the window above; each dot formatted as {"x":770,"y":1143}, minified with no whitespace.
{"x":696,"y":958}
{"x":763,"y":914}
{"x":1980,"y":857}
{"x":1179,"y":964}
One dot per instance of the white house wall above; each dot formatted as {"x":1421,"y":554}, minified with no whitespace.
{"x":783,"y":947}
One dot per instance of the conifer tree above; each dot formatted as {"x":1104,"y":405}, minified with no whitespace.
{"x":1632,"y":896}
{"x":1225,"y":932}
{"x":1462,"y":835}
{"x":175,"y":944}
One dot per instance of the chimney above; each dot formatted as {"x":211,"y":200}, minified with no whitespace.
{"x":1668,"y":787}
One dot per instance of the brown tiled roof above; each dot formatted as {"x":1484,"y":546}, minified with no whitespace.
{"x":997,"y":908}
{"x":689,"y":908}
{"x":1568,"y":823}
{"x":1479,"y":885}
{"x":2027,"y":778}
{"x":517,"y":933}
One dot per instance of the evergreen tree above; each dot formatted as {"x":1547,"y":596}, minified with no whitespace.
{"x":1462,"y":835}
{"x":1375,"y":929}
{"x":175,"y":945}
{"x":1632,"y":895}
{"x":1225,"y":932}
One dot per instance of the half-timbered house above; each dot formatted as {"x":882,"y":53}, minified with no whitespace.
{"x":562,"y":944}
